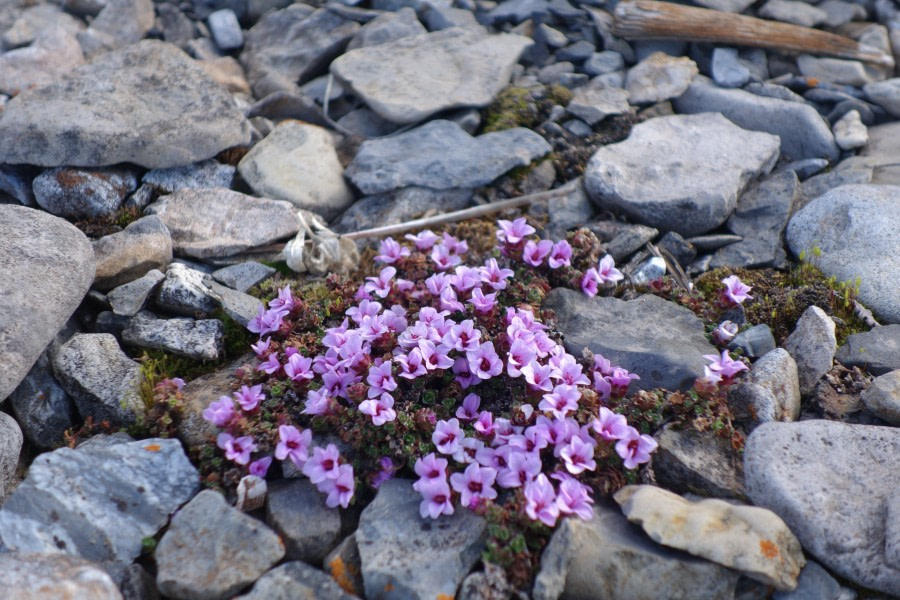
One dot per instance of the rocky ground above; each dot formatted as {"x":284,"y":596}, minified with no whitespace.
{"x":147,"y":147}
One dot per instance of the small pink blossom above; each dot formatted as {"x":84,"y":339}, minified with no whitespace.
{"x":450,"y":301}
{"x":365,"y":308}
{"x":249,"y":397}
{"x":381,"y":410}
{"x":435,"y":356}
{"x":423,"y":240}
{"x":538,"y":375}
{"x":561,"y":401}
{"x":635,"y":448}
{"x":436,"y":498}
{"x":260,"y":467}
{"x":610,"y":426}
{"x":522,"y":468}
{"x":447,"y":436}
{"x":381,"y":285}
{"x":265,"y":321}
{"x":390,"y":251}
{"x":535,"y":253}
{"x":725,"y":332}
{"x":270,"y":365}
{"x":736,"y":290}
{"x":540,"y":501}
{"x":380,"y":379}
{"x":474,"y":484}
{"x":323,"y":464}
{"x":236,"y":449}
{"x":574,"y":498}
{"x":443,"y":258}
{"x":429,"y":467}
{"x":339,"y":489}
{"x":494,"y":276}
{"x":299,"y":368}
{"x":578,"y":455}
{"x":513,"y":232}
{"x":469,"y":409}
{"x":317,"y":403}
{"x":261,"y":348}
{"x":484,"y":362}
{"x":607,"y":270}
{"x":722,"y":367}
{"x":462,"y":336}
{"x":220,"y":412}
{"x":590,"y":282}
{"x":561,"y":255}
{"x":293,"y":444}
{"x":520,"y":355}
{"x":284,"y":302}
{"x":485,"y":424}
{"x":454,"y":245}
{"x":482,"y":302}
{"x":411,"y":365}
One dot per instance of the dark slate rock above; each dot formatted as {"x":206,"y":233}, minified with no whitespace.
{"x":601,"y":63}
{"x":98,"y":502}
{"x":388,"y":27}
{"x":142,"y":246}
{"x":147,"y":104}
{"x":297,"y":512}
{"x":659,"y":340}
{"x":128,"y":299}
{"x":16,"y":181}
{"x":243,"y":276}
{"x":293,"y":580}
{"x":699,"y":463}
{"x":577,"y":53}
{"x":877,"y":350}
{"x":42,"y":407}
{"x":414,"y":557}
{"x":683,"y":251}
{"x":205,"y":174}
{"x":48,"y":267}
{"x":213,"y":551}
{"x":814,"y":582}
{"x":516,"y":11}
{"x":713,"y":241}
{"x":176,"y":27}
{"x":754,"y":342}
{"x":627,"y":241}
{"x":399,"y":206}
{"x":440,"y":155}
{"x":201,"y":339}
{"x":291,"y":46}
{"x":30,"y":576}
{"x":835,"y":506}
{"x":239,"y":306}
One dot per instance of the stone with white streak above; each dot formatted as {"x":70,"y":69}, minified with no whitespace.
{"x":849,"y":131}
{"x":200,"y":339}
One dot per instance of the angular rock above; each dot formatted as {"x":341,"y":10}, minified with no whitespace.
{"x":814,"y":583}
{"x":16,"y":182}
{"x":803,"y":131}
{"x":885,"y":94}
{"x":754,"y":342}
{"x":47,"y":270}
{"x":398,"y":206}
{"x":689,"y":461}
{"x":293,"y":580}
{"x":835,"y":506}
{"x":197,"y":339}
{"x":243,"y":276}
{"x":128,"y":299}
{"x":204,"y":174}
{"x":876,"y":350}
{"x":604,"y":62}
{"x":297,"y":512}
{"x":727,"y":69}
{"x":621,"y":242}
{"x":103,"y":381}
{"x":291,"y":46}
{"x":595,"y":103}
{"x":834,"y":70}
{"x":298,"y":162}
{"x":882,"y":397}
{"x":564,"y":212}
{"x":516,"y":11}
{"x":225,"y":29}
{"x":345,"y":566}
{"x":856,"y":228}
{"x":415,"y":559}
{"x":11,"y":440}
{"x":35,"y":20}
{"x":99,"y":501}
{"x":662,"y":342}
{"x":42,"y":407}
{"x":82,"y":193}
{"x":29,"y":576}
{"x":849,"y":131}
{"x":193,"y":429}
{"x":778,"y":373}
{"x":813,"y":345}
{"x":388,"y":27}
{"x":410,"y":79}
{"x":183,"y":292}
{"x":147,"y":104}
{"x":659,"y":77}
{"x":881,"y":153}
{"x":652,"y":178}
{"x":790,"y":11}
{"x":53,"y":54}
{"x":212,"y":551}
{"x":241,"y":307}
{"x":220,"y":222}
{"x":753,"y":404}
{"x":119,"y":24}
{"x":751,"y":540}
{"x":441,"y":155}
{"x":137,"y":584}
{"x":142,"y":246}
{"x":601,"y":557}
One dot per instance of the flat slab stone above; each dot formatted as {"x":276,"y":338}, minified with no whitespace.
{"x":662,"y":342}
{"x":99,"y":501}
{"x":404,"y":556}
{"x":410,"y":79}
{"x":147,"y":104}
{"x":200,"y":339}
{"x":243,"y":276}
{"x":441,"y":155}
{"x":29,"y":576}
{"x":680,"y":173}
{"x":834,"y":504}
{"x":877,"y":350}
{"x":144,"y":245}
{"x":220,"y":222}
{"x":856,"y":227}
{"x":48,"y":266}
{"x":297,"y":512}
{"x":293,"y":580}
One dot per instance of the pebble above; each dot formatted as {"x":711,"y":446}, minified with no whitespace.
{"x":870,"y":216}
{"x":142,"y":246}
{"x":204,"y":174}
{"x":834,"y":506}
{"x":849,"y":131}
{"x":839,"y":12}
{"x":388,"y":27}
{"x":440,"y":155}
{"x":225,"y":29}
{"x":645,"y":175}
{"x":727,"y":69}
{"x":30,"y":576}
{"x":212,"y":551}
{"x":296,"y":511}
{"x":601,"y":63}
{"x":42,"y":407}
{"x":754,"y":341}
{"x":11,"y":440}
{"x":881,"y":153}
{"x":688,"y":461}
{"x":662,"y":342}
{"x":812,"y":345}
{"x":35,"y":20}
{"x":243,"y":276}
{"x":183,"y":292}
{"x":292,"y":580}
{"x":885,"y":94}
{"x":659,"y":77}
{"x":119,"y":24}
{"x":790,"y":11}
{"x":882,"y":397}
{"x":240,"y":307}
{"x":193,"y":429}
{"x":876,"y":350}
{"x":834,"y":70}
{"x":129,"y":298}
{"x":390,"y":77}
{"x":201,"y":339}
{"x":595,"y":103}
{"x":298,"y":162}
{"x":649,"y":271}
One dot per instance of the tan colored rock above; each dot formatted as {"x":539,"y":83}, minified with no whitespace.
{"x":57,"y":576}
{"x":122,"y":257}
{"x":193,"y":430}
{"x":754,"y":541}
{"x":660,"y":77}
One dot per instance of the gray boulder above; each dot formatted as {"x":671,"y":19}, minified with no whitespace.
{"x":200,"y":339}
{"x":211,"y":551}
{"x":653,"y":177}
{"x":297,"y":512}
{"x":812,"y":345}
{"x":876,"y":350}
{"x":882,"y":397}
{"x":129,"y":298}
{"x":47,"y":269}
{"x":834,"y":505}
{"x":42,"y":407}
{"x":83,"y":193}
{"x":690,"y":461}
{"x":147,"y":104}
{"x":804,"y":132}
{"x":856,"y":227}
{"x":201,"y":175}
{"x":412,"y":78}
{"x":441,"y":155}
{"x":662,"y":342}
{"x":413,"y":557}
{"x":142,"y":246}
{"x":29,"y":576}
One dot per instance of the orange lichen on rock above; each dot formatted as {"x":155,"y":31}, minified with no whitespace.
{"x":343,"y":574}
{"x":768,"y":548}
{"x":152,"y":448}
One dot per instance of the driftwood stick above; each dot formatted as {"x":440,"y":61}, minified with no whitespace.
{"x":647,"y":19}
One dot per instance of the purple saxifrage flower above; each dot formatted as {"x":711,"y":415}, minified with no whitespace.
{"x":220,"y":412}
{"x":447,"y":436}
{"x":635,"y":448}
{"x":236,"y":449}
{"x":736,"y":290}
{"x":323,"y":464}
{"x":540,"y":501}
{"x":474,"y":484}
{"x":293,"y":444}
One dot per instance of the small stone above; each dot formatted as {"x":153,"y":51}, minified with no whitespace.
{"x":183,"y":292}
{"x":205,"y":174}
{"x":516,"y":11}
{"x":882,"y":397}
{"x":388,"y":27}
{"x":119,"y":24}
{"x":225,"y":29}
{"x":293,"y":580}
{"x":345,"y":566}
{"x":197,"y":339}
{"x":885,"y":94}
{"x":142,"y":246}
{"x":53,"y":54}
{"x":790,"y":11}
{"x":128,"y":299}
{"x":681,"y":249}
{"x":31,"y":21}
{"x":243,"y":276}
{"x":82,"y":193}
{"x":849,"y":132}
{"x":577,"y":53}
{"x":813,"y":345}
{"x":876,"y":350}
{"x":298,"y":162}
{"x":727,"y":69}
{"x":778,"y":373}
{"x":627,"y":241}
{"x":806,"y":168}
{"x":212,"y":551}
{"x":699,"y":463}
{"x":601,"y":63}
{"x":659,"y":77}
{"x":593,"y":104}
{"x":754,"y":342}
{"x":834,"y":70}
{"x":240,"y":307}
{"x":814,"y":583}
{"x":11,"y":440}
{"x":16,"y":181}
{"x":840,"y":13}
{"x":297,"y":512}
{"x":554,"y":38}
{"x":648,"y":271}
{"x":31,"y":576}
{"x":856,"y":169}
{"x":42,"y":407}
{"x":102,"y":380}
{"x":752,"y":540}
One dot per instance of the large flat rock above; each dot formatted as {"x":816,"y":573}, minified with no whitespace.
{"x":148,"y":104}
{"x":47,"y":268}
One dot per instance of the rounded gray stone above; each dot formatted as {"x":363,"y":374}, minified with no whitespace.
{"x":885,"y":94}
{"x":777,"y":372}
{"x":295,"y":580}
{"x":856,"y":228}
{"x":297,"y":512}
{"x":659,"y":77}
{"x":830,"y":481}
{"x":882,"y":397}
{"x":48,"y":267}
{"x":876,"y":350}
{"x":11,"y":440}
{"x":83,"y":193}
{"x":812,"y":345}
{"x":43,"y":408}
{"x":199,"y":339}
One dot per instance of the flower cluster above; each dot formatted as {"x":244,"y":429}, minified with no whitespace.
{"x":514,"y":421}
